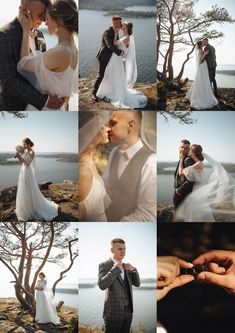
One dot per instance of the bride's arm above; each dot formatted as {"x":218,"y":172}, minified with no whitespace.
{"x":22,"y":160}
{"x":203,"y":55}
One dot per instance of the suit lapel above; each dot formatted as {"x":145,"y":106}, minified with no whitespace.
{"x":111,"y":264}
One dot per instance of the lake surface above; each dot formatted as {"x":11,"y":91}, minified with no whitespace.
{"x":165,"y":187}
{"x":91,"y":26}
{"x":223,"y":80}
{"x":69,"y":299}
{"x":46,"y":169}
{"x":91,"y":302}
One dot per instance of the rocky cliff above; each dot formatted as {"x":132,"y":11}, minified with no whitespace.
{"x":87,"y":104}
{"x":65,"y":195}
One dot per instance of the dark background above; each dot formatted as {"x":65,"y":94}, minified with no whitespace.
{"x":197,"y":307}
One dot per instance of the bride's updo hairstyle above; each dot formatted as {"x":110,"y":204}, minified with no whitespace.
{"x":28,"y":142}
{"x":42,"y":274}
{"x":67,"y":11}
{"x":199,"y":44}
{"x":197,"y":150}
{"x":129,"y":26}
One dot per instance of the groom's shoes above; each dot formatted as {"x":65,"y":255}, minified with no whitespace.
{"x":94,"y":97}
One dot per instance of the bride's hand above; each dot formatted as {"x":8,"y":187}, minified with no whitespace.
{"x":25,"y":20}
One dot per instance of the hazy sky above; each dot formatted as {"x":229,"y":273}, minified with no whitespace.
{"x":51,"y":270}
{"x":50,"y":131}
{"x":94,"y":246}
{"x":214,"y":131}
{"x":225,"y":49}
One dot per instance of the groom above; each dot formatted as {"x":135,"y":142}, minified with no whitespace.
{"x":130,"y":175}
{"x":105,"y":52}
{"x":15,"y":91}
{"x":211,"y":63}
{"x":182,"y":186}
{"x":117,"y":278}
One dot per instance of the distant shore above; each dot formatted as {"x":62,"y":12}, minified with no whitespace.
{"x":161,"y":167}
{"x":60,"y":157}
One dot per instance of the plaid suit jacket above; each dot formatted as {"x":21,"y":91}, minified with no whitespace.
{"x":111,"y":281}
{"x":15,"y":91}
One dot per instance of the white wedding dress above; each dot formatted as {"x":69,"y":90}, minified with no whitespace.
{"x":45,"y":308}
{"x":209,"y":198}
{"x":116,"y":81}
{"x":31,"y":205}
{"x":200,"y":94}
{"x":96,"y":201}
{"x":62,"y":84}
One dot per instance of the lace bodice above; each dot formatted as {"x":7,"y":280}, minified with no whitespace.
{"x":41,"y":284}
{"x":194,"y":175}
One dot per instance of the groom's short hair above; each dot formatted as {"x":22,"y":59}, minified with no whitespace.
{"x":185,"y":141}
{"x":45,"y":2}
{"x":116,"y":18}
{"x":117,"y":240}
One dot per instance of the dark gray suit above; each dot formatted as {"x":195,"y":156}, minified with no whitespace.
{"x":15,"y":91}
{"x":183,"y":185}
{"x":211,"y":64}
{"x":118,"y":306}
{"x":104,"y":54}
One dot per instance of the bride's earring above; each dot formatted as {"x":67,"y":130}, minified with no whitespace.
{"x":57,"y":29}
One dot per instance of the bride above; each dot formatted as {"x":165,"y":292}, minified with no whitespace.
{"x":212,"y":199}
{"x":93,"y":199}
{"x":52,"y":72}
{"x":30,"y":203}
{"x":200,"y":93}
{"x":117,"y":82}
{"x":45,"y":309}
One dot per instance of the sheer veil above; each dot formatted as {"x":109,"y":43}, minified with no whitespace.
{"x":131,"y":67}
{"x":214,"y":201}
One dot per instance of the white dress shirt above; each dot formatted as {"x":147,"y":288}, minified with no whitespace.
{"x":122,"y":273}
{"x":146,"y":202}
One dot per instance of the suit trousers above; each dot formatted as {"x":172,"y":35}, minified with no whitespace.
{"x":121,"y":326}
{"x":212,"y":79}
{"x":99,"y":78}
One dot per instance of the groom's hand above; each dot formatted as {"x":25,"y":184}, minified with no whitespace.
{"x":128,"y":267}
{"x":55,"y":102}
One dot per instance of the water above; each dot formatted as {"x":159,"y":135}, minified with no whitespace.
{"x":223,"y":80}
{"x":165,"y":187}
{"x":141,"y":8}
{"x":92,"y":25}
{"x":91,"y":302}
{"x":47,"y":169}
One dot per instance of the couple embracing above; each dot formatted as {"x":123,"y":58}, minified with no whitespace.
{"x":203,"y":192}
{"x":32,"y":78}
{"x":117,"y":68}
{"x":201,"y":95}
{"x":127,"y":189}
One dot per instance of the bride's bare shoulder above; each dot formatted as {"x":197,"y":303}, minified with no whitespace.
{"x":58,"y":57}
{"x":198,"y":166}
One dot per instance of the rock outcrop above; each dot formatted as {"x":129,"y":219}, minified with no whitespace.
{"x":87,"y":104}
{"x":14,"y":320}
{"x":65,"y":195}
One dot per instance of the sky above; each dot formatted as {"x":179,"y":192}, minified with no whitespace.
{"x":225,"y":49}
{"x":51,"y":271}
{"x":50,"y":131}
{"x":214,"y":131}
{"x":94,"y":246}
